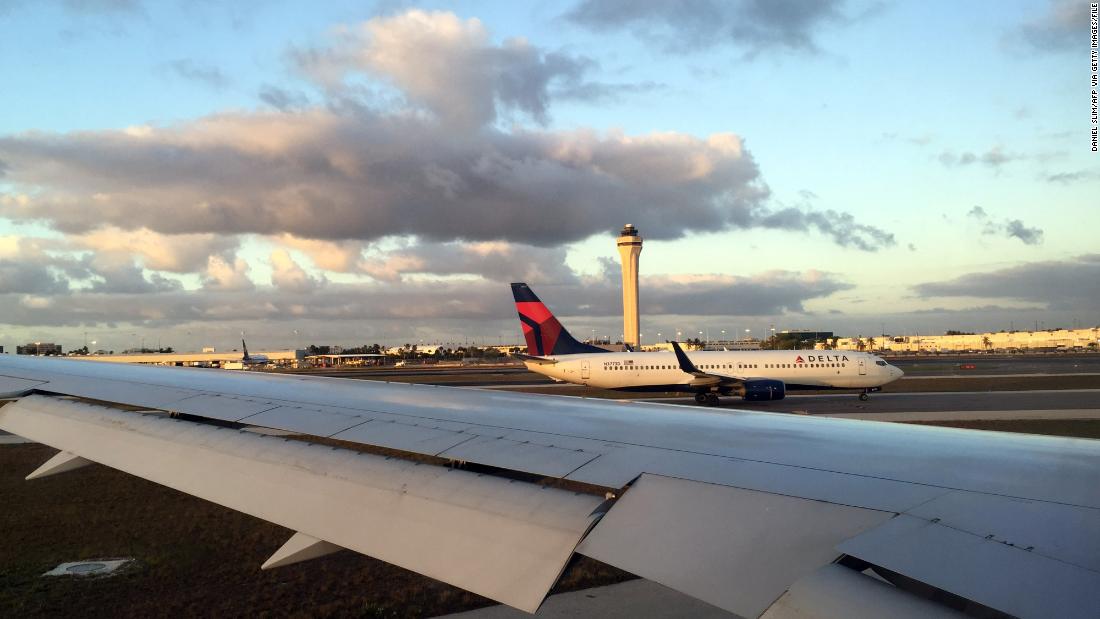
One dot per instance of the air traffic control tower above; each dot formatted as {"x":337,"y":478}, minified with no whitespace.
{"x":630,"y":247}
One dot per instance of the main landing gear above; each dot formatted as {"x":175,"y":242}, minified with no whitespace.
{"x":709,"y":399}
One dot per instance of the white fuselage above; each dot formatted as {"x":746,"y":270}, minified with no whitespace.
{"x":656,"y":370}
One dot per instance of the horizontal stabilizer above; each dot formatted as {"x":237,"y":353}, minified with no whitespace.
{"x":534,"y":359}
{"x":63,"y":462}
{"x":300,"y":547}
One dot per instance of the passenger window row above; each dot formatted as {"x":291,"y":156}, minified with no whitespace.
{"x":742,"y":366}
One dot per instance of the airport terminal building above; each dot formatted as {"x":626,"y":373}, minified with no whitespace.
{"x":232,"y":359}
{"x":1082,"y":340}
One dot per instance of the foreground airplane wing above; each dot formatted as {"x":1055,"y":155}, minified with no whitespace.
{"x":759,"y":514}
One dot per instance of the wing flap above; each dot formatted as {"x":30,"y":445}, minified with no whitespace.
{"x":1064,"y":532}
{"x":989,"y":571}
{"x":736,"y":549}
{"x":502,"y":539}
{"x":12,"y":387}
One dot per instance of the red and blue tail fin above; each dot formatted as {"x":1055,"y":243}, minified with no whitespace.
{"x":545,"y":335}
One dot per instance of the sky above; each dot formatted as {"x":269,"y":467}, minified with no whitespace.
{"x":183,"y":173}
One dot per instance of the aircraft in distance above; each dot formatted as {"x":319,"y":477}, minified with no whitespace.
{"x":752,"y":374}
{"x":248,"y":359}
{"x":759,"y":514}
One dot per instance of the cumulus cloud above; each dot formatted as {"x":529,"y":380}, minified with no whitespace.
{"x":288,"y":275}
{"x":765,"y":294}
{"x":337,"y":256}
{"x":47,"y":266}
{"x":227,"y":274}
{"x":1011,"y":228}
{"x":22,"y":276}
{"x":754,"y":25}
{"x":348,"y":172}
{"x":451,"y":67}
{"x":1071,"y":283}
{"x":769,"y":293}
{"x":322,"y":174}
{"x":178,"y":253}
{"x":129,"y":278}
{"x":1063,"y":26}
{"x":496,"y":261}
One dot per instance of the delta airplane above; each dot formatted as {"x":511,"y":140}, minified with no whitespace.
{"x":753,"y":375}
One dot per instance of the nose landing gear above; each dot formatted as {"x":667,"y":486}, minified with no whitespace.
{"x":863,"y":397}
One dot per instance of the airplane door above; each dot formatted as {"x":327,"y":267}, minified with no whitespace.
{"x":862,"y":368}
{"x":584,"y":370}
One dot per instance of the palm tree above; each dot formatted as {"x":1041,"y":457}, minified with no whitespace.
{"x":986,"y":342}
{"x":871,"y":343}
{"x":860,"y":345}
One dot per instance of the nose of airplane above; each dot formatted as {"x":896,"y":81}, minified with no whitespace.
{"x":895,"y":373}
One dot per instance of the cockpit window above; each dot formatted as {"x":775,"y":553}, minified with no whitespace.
{"x":882,"y":363}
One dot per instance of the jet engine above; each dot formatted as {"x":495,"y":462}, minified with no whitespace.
{"x":764,"y":389}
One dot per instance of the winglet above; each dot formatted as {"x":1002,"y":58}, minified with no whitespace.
{"x":682,"y":358}
{"x":300,"y":547}
{"x":62,"y":462}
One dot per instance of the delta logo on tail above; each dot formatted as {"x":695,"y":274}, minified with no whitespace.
{"x":543,"y":332}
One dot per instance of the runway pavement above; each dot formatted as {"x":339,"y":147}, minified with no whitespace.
{"x":949,"y":365}
{"x":940,"y":406}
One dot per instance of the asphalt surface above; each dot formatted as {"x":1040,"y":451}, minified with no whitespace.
{"x":888,"y":403}
{"x":950,"y":365}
